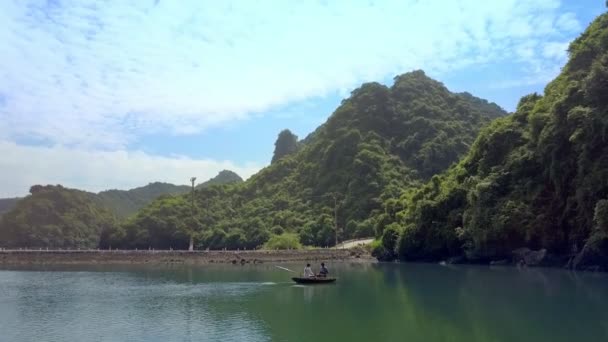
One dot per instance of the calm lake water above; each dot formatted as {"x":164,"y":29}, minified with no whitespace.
{"x":370,"y":302}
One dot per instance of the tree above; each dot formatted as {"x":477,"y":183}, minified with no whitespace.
{"x":378,"y":143}
{"x":535,"y":179}
{"x":55,"y":217}
{"x":193,"y":226}
{"x":283,"y":241}
{"x":286,"y":144}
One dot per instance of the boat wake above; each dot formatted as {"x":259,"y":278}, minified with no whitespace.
{"x":269,"y":283}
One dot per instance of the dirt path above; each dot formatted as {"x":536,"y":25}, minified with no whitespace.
{"x":355,"y":243}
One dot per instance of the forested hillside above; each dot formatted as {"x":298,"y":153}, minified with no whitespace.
{"x":58,"y":217}
{"x":536,"y":179}
{"x":55,"y":217}
{"x":126,"y":202}
{"x":378,"y":143}
{"x":224,"y":177}
{"x":6,"y":204}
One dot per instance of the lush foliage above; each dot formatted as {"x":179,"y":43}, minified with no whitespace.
{"x":379,"y":142}
{"x":6,"y":204}
{"x":223,"y":177}
{"x":124,"y":203}
{"x":55,"y":217}
{"x":283,"y":241}
{"x":538,"y":178}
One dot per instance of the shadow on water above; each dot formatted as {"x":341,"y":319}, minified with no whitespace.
{"x":475,"y":303}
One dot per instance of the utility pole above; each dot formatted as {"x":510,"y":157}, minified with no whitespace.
{"x":191,"y":245}
{"x":335,"y":196}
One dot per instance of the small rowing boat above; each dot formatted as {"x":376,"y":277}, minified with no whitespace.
{"x":315,"y":280}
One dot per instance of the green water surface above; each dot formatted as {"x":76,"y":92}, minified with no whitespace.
{"x":369,"y":302}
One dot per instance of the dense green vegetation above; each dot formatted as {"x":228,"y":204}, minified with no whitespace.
{"x":6,"y":204}
{"x":58,"y":217}
{"x":379,"y":142}
{"x":536,"y":179}
{"x":223,"y":177}
{"x":55,"y":217}
{"x":124,"y":203}
{"x":283,"y":241}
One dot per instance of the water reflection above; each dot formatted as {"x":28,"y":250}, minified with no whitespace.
{"x":378,"y":302}
{"x":506,"y":304}
{"x":106,"y":306}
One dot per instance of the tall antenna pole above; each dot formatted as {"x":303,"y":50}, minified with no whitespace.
{"x":336,"y":217}
{"x":191,"y":245}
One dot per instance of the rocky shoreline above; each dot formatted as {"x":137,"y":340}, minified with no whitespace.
{"x":86,"y":257}
{"x":523,"y":257}
{"x":588,"y":259}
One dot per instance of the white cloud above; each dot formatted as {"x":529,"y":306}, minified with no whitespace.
{"x":544,"y":62}
{"x":526,"y":51}
{"x":24,"y":166}
{"x":568,"y":22}
{"x":556,"y":50}
{"x":101,"y":74}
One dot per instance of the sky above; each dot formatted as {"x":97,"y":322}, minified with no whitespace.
{"x":110,"y":94}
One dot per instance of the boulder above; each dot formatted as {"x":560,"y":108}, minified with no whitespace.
{"x":520,"y":253}
{"x":528,"y":257}
{"x":461,"y":259}
{"x":499,"y":262}
{"x":594,"y":255}
{"x":382,"y":254}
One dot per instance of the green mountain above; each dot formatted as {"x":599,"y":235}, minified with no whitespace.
{"x":536,"y":179}
{"x":124,"y":203}
{"x":55,"y":217}
{"x":6,"y":204}
{"x":223,"y":177}
{"x":286,"y":144}
{"x":378,"y":142}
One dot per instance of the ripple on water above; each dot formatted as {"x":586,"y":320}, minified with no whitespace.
{"x":107,"y":306}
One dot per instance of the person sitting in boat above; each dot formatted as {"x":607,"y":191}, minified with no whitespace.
{"x":308,"y":271}
{"x":323,"y":272}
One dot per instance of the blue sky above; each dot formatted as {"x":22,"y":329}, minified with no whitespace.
{"x":116,"y":94}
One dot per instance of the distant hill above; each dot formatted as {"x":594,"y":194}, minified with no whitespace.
{"x":55,"y":217}
{"x":124,"y":203}
{"x":6,"y":204}
{"x":224,"y":177}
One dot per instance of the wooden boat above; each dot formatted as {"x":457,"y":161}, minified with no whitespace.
{"x":316,"y":280}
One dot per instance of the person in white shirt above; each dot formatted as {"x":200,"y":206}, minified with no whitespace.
{"x":308,"y":271}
